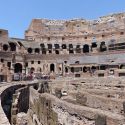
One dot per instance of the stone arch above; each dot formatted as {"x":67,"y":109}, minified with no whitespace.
{"x":37,"y":50}
{"x":5,"y":47}
{"x":72,"y":69}
{"x":18,"y":68}
{"x":42,"y":45}
{"x":52,"y":67}
{"x":57,"y":51}
{"x":12,"y":46}
{"x":49,"y":46}
{"x":66,"y":69}
{"x":122,"y":66}
{"x":43,"y":50}
{"x":78,"y":49}
{"x":29,"y":50}
{"x":64,"y":46}
{"x":85,"y":69}
{"x":85,"y":48}
{"x":102,"y":67}
{"x":71,"y":48}
{"x":93,"y":69}
{"x":56,"y":46}
{"x":94,"y":45}
{"x":103,"y":46}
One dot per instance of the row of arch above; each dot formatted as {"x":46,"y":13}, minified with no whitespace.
{"x":11,"y":46}
{"x":78,"y":49}
{"x":18,"y":68}
{"x":85,"y":48}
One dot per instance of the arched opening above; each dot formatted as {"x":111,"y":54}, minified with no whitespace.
{"x":72,"y":69}
{"x":71,"y":48}
{"x":93,"y":69}
{"x":42,"y":45}
{"x":71,"y":51}
{"x":102,"y":67}
{"x":103,"y":47}
{"x":49,"y":46}
{"x":122,"y":66}
{"x":5,"y":47}
{"x":94,"y":45}
{"x":18,"y":68}
{"x":85,"y":69}
{"x":37,"y":50}
{"x":43,"y":51}
{"x":52,"y":67}
{"x":56,"y":46}
{"x":77,"y":62}
{"x":29,"y":50}
{"x":85,"y":48}
{"x":12,"y":46}
{"x":111,"y":45}
{"x":66,"y":70}
{"x":57,"y":51}
{"x":64,"y":46}
{"x":78,"y":49}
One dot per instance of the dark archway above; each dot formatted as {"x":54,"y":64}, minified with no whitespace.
{"x":37,"y":50}
{"x":94,"y":45}
{"x":57,"y":51}
{"x":5,"y":47}
{"x":71,"y":48}
{"x":72,"y":69}
{"x":102,"y":67}
{"x":66,"y":70}
{"x":43,"y":50}
{"x":122,"y":66}
{"x":29,"y":50}
{"x":12,"y":46}
{"x":103,"y":47}
{"x":85,"y":48}
{"x":56,"y":46}
{"x":64,"y":46}
{"x":85,"y":69}
{"x":42,"y":45}
{"x":18,"y":68}
{"x":49,"y":46}
{"x":78,"y":49}
{"x":52,"y":67}
{"x":93,"y":69}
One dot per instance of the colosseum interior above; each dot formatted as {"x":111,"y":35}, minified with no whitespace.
{"x":64,"y":72}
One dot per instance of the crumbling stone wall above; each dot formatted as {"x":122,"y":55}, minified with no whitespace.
{"x":20,"y":103}
{"x":48,"y":109}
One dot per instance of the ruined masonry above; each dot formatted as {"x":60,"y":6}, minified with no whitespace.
{"x":64,"y":72}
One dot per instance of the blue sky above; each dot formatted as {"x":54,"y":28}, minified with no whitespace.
{"x":16,"y":15}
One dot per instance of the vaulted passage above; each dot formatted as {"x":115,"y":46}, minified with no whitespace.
{"x":103,"y":46}
{"x":29,"y":50}
{"x":5,"y":47}
{"x":37,"y":50}
{"x":12,"y":46}
{"x":18,"y":68}
{"x":85,"y":48}
{"x":52,"y":67}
